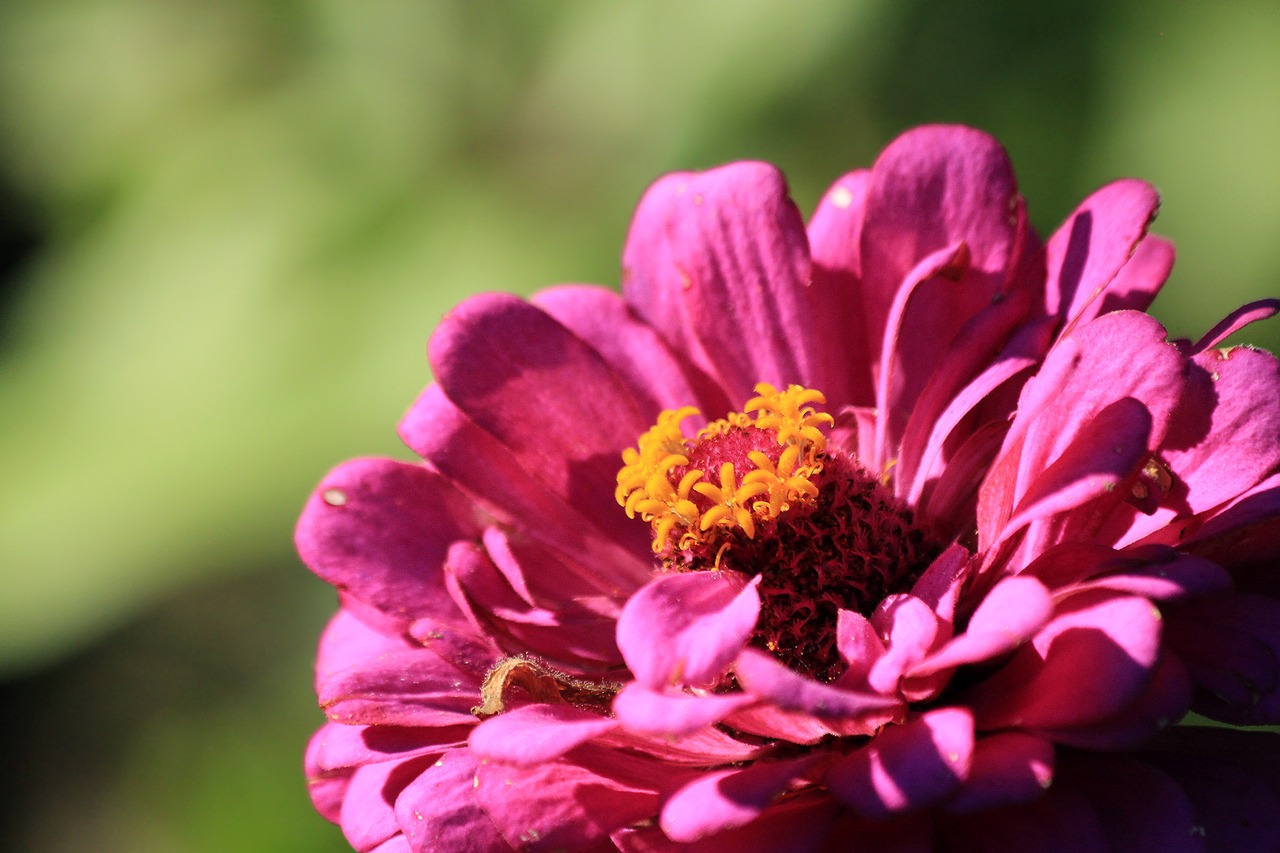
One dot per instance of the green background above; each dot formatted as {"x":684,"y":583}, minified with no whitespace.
{"x":229,"y":228}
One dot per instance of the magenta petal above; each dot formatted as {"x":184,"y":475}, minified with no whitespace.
{"x":438,"y":809}
{"x":1096,"y":241}
{"x":533,"y":734}
{"x":859,"y":644}
{"x":836,"y":294}
{"x":674,"y":714}
{"x":380,"y":530}
{"x":575,"y":802}
{"x":801,"y":824}
{"x":727,"y":798}
{"x":635,"y":350}
{"x":1135,"y":287}
{"x":906,"y":767}
{"x":347,"y":642}
{"x":1235,"y":321}
{"x":368,"y":815}
{"x":404,"y":689}
{"x":764,"y":677}
{"x":1008,"y":768}
{"x":732,"y":237}
{"x":911,"y":630}
{"x":454,"y":445}
{"x":933,"y":187}
{"x":515,"y":372}
{"x":687,"y":629}
{"x":1166,"y":700}
{"x":1094,"y":658}
{"x":1009,"y":615}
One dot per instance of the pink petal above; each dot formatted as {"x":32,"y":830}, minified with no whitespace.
{"x":454,"y":445}
{"x":906,"y":767}
{"x":728,"y":798}
{"x":1084,"y":256}
{"x":1007,"y":768}
{"x":764,"y":677}
{"x":911,"y":630}
{"x":674,"y":714}
{"x":368,"y":816}
{"x":1136,"y":285}
{"x":347,"y":642}
{"x":836,"y":294}
{"x":933,"y":187}
{"x":732,"y":237}
{"x":1166,"y":700}
{"x":1089,"y":663}
{"x":796,"y":825}
{"x":413,"y":688}
{"x":533,"y":734}
{"x":632,"y":347}
{"x":1238,"y":319}
{"x":1009,"y":615}
{"x":380,"y":530}
{"x":438,"y":809}
{"x":572,"y":804}
{"x":859,"y":644}
{"x":686,"y":629}
{"x":518,"y":374}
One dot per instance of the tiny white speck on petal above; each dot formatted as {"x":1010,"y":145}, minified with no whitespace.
{"x":334,"y":497}
{"x":841,"y":197}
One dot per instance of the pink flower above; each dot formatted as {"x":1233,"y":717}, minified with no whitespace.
{"x":927,"y":538}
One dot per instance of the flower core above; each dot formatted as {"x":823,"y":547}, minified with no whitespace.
{"x":823,"y":533}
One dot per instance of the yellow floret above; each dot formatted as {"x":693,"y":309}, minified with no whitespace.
{"x":762,"y":493}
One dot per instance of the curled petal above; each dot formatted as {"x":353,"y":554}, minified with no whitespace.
{"x":688,"y":628}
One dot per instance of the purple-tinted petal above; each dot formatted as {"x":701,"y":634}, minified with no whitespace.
{"x":1231,"y":643}
{"x":1232,"y":781}
{"x":859,"y":644}
{"x":730,"y":236}
{"x":1139,"y":807}
{"x":728,"y":798}
{"x":380,"y":530}
{"x":518,"y":374}
{"x":797,"y":825}
{"x":1014,"y":610}
{"x":1062,"y":821}
{"x":1096,"y":241}
{"x":906,"y":767}
{"x":836,"y":294}
{"x":1095,"y":657}
{"x":1007,"y":768}
{"x":674,"y":714}
{"x":533,"y":734}
{"x":764,"y":677}
{"x":688,"y":628}
{"x":438,"y":809}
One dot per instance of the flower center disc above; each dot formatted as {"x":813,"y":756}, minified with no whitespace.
{"x":822,"y":533}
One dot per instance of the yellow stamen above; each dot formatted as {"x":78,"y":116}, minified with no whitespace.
{"x":741,"y":500}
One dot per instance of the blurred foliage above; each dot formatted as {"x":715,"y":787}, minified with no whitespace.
{"x":235,"y":224}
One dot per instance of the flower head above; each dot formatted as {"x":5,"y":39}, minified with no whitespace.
{"x":902,"y":528}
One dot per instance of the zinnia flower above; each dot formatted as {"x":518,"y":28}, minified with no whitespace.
{"x":902,"y":531}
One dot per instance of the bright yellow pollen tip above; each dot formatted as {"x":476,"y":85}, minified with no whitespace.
{"x":736,"y":502}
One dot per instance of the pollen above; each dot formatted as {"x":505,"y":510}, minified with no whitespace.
{"x":733,"y":475}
